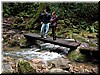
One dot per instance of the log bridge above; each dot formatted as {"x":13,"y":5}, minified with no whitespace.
{"x":58,"y":41}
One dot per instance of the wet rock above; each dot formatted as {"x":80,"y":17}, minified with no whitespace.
{"x":55,"y":48}
{"x":50,"y":46}
{"x":56,"y":70}
{"x":46,"y":45}
{"x":64,"y":50}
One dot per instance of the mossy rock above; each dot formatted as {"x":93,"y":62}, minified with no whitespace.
{"x":24,"y":67}
{"x":77,"y":56}
{"x":23,"y":42}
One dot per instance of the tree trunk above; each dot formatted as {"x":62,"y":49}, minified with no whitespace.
{"x":36,"y":17}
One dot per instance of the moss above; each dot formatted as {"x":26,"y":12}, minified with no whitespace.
{"x":24,"y":67}
{"x":76,"y":56}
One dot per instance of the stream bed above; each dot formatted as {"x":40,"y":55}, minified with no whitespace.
{"x":45,"y":54}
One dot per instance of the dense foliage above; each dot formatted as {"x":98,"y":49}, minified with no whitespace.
{"x":86,"y":11}
{"x":73,"y":14}
{"x":19,"y":9}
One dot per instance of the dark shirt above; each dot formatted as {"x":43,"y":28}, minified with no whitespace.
{"x":45,"y":18}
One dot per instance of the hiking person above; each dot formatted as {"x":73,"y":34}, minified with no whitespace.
{"x":53,"y":22}
{"x":45,"y":21}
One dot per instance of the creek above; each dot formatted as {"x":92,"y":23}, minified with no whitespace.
{"x":43,"y":53}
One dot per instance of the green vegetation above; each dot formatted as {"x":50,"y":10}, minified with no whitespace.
{"x":23,"y":41}
{"x":77,"y":56}
{"x":74,"y":12}
{"x":24,"y":67}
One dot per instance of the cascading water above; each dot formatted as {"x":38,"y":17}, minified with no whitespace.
{"x":45,"y":53}
{"x":29,"y":54}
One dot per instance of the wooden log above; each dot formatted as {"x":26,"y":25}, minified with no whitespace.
{"x":58,"y":41}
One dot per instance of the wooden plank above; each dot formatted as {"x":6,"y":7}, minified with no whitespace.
{"x":58,"y":41}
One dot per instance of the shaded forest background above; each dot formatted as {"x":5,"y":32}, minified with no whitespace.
{"x":72,"y":14}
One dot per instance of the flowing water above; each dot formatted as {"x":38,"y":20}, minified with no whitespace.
{"x":30,"y":54}
{"x":46,"y":52}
